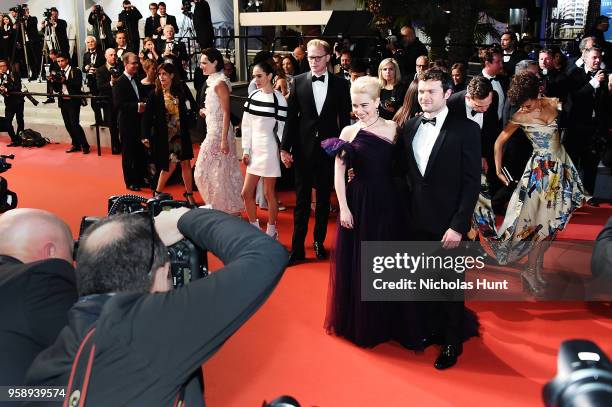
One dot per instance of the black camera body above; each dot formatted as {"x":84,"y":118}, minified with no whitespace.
{"x":186,"y":8}
{"x":57,"y":76}
{"x":116,"y":71}
{"x":97,"y":11}
{"x":47,"y":14}
{"x":8,"y":199}
{"x":187,"y":261}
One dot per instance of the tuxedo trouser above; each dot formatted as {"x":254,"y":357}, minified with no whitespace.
{"x":71,"y":111}
{"x":580,"y":147}
{"x":110,"y":119}
{"x":315,"y":172}
{"x":11,"y":111}
{"x":133,"y":158}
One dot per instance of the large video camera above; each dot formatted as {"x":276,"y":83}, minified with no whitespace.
{"x":187,"y":261}
{"x":56,"y":76}
{"x":19,"y":9}
{"x":186,"y":8}
{"x":97,"y":11}
{"x":47,"y":14}
{"x":8,"y":199}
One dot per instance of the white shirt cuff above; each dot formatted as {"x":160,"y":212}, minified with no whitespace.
{"x":595,"y":83}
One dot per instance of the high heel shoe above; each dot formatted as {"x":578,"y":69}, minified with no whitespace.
{"x":189,"y":198}
{"x":539,"y":274}
{"x":529,"y":281}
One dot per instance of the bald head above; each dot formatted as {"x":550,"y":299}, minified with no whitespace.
{"x":33,"y":234}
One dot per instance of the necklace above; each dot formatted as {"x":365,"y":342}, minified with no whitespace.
{"x":371,"y":124}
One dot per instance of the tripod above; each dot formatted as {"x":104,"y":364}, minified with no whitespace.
{"x":49,"y":37}
{"x":188,"y":32}
{"x":21,"y":28}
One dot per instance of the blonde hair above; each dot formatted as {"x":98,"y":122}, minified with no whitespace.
{"x":319,"y":43}
{"x":366,"y":85}
{"x":396,"y":69}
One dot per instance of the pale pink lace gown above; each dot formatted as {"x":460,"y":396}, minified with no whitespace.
{"x":217,"y":175}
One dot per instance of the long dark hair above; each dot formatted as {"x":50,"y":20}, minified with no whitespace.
{"x":176,"y":89}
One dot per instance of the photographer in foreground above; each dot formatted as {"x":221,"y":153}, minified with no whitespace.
{"x":37,"y":287}
{"x":149,"y":341}
{"x":10,"y":81}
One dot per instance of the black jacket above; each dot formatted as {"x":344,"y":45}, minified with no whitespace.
{"x":202,"y":23}
{"x":446,"y":195}
{"x":74,"y":82}
{"x":305,"y":128}
{"x":125,"y":102}
{"x":130,"y":26}
{"x":148,"y":345}
{"x":103,"y":82}
{"x":516,"y":57}
{"x":12,"y":82}
{"x":555,"y":84}
{"x":61,"y":31}
{"x":155,"y":128}
{"x":106,"y":27}
{"x":151,"y":26}
{"x":34,"y":301}
{"x":91,"y":78}
{"x":171,"y":20}
{"x":583,"y":100}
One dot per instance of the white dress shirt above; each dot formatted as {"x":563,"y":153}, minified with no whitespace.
{"x":66,"y":74}
{"x":478,"y":117}
{"x":319,"y":90}
{"x":500,"y":92}
{"x":133,"y":83}
{"x":425,"y":138}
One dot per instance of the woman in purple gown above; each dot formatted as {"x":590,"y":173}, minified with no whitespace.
{"x":369,"y":211}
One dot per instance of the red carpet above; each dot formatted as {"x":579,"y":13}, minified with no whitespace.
{"x":283,"y":348}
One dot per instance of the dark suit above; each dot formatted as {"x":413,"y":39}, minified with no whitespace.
{"x":303,"y":133}
{"x":34,"y":302}
{"x":171,"y":20}
{"x":151,"y":26}
{"x":515,"y":58}
{"x":91,"y":62}
{"x":586,"y":123}
{"x":103,"y":83}
{"x":33,"y":44}
{"x":61,"y":32}
{"x":13,"y":105}
{"x":71,"y":108}
{"x":444,"y":197}
{"x":102,"y":26}
{"x":7,"y":41}
{"x":129,"y":122}
{"x":202,"y":24}
{"x":130,"y":26}
{"x":178,"y":54}
{"x":555,"y":84}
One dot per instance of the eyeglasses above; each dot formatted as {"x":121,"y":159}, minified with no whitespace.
{"x":317,"y":58}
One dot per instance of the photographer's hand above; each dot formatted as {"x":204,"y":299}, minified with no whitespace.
{"x":166,"y":225}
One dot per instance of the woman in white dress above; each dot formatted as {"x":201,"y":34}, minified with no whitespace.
{"x":217,"y":171}
{"x":265,"y":112}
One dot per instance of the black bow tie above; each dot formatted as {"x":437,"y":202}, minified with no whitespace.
{"x":474,"y":112}
{"x":430,"y":121}
{"x":493,"y":79}
{"x":318,"y":78}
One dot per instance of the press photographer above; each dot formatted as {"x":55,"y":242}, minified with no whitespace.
{"x":58,"y":30}
{"x":149,"y":347}
{"x":101,"y":26}
{"x":28,"y":41}
{"x":128,"y":23}
{"x":106,"y":77}
{"x":13,"y":104}
{"x":202,"y":24}
{"x":92,"y":60}
{"x":173,"y":51}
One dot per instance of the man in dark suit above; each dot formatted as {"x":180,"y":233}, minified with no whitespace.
{"x":101,"y":24}
{"x":33,"y":44}
{"x":153,"y":28}
{"x":173,"y":51}
{"x":318,"y":109}
{"x":406,"y":51}
{"x":493,"y":71}
{"x":128,"y":23}
{"x":166,"y":19}
{"x":92,"y":60}
{"x":586,"y":114}
{"x":440,"y":153}
{"x":37,"y":287}
{"x":106,"y":77}
{"x":60,"y":28}
{"x":511,"y":56}
{"x":117,"y":271}
{"x":126,"y":99}
{"x":10,"y":81}
{"x":69,"y":83}
{"x":554,"y":81}
{"x":476,"y":103}
{"x":202,"y":24}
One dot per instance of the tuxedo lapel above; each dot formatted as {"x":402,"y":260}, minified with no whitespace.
{"x":310,"y":94}
{"x":330,"y":91}
{"x":409,"y":138}
{"x":436,"y":147}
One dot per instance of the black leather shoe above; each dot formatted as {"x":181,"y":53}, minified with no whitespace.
{"x":73,"y":149}
{"x":14,"y":144}
{"x":432,"y":339}
{"x":448,"y":356}
{"x":320,"y":251}
{"x":49,"y":100}
{"x":295,"y":258}
{"x":85,"y":150}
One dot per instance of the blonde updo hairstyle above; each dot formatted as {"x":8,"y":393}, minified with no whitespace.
{"x":367,"y":85}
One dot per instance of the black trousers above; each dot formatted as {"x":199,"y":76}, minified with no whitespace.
{"x":314,"y":172}
{"x":582,"y":147}
{"x":110,"y":119}
{"x":133,"y":158}
{"x":34,"y":50}
{"x":71,"y":112}
{"x":11,"y":111}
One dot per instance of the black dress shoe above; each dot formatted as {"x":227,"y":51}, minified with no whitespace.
{"x":448,"y":356}
{"x":73,"y":149}
{"x":14,"y":144}
{"x":49,"y":100}
{"x":295,"y":258}
{"x":320,"y":251}
{"x":85,"y":150}
{"x":133,"y":187}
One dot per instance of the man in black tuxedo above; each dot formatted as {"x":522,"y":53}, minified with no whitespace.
{"x":153,"y":28}
{"x":126,"y":99}
{"x":511,"y":56}
{"x":121,"y":47}
{"x":476,"y":103}
{"x":106,"y":77}
{"x":318,"y":109}
{"x":587,"y":115}
{"x":554,"y":81}
{"x":406,"y":51}
{"x":166,"y":19}
{"x":60,"y":28}
{"x":10,"y":81}
{"x":128,"y":23}
{"x":92,"y":60}
{"x":440,"y":153}
{"x":33,"y":44}
{"x":101,"y":24}
{"x":493,"y":71}
{"x":70,"y":83}
{"x":37,"y":287}
{"x":202,"y":24}
{"x":173,"y":51}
